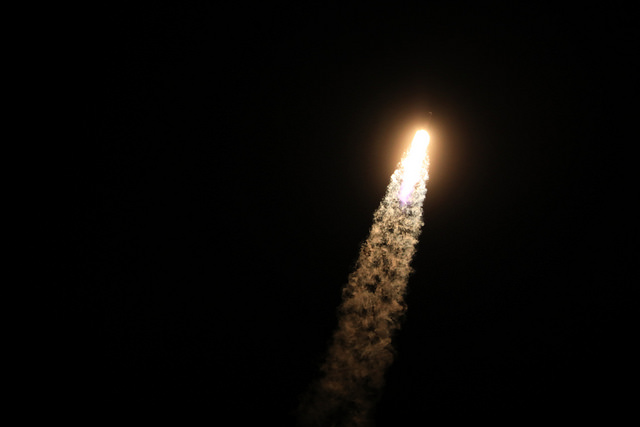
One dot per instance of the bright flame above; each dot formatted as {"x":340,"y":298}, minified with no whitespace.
{"x":412,"y":164}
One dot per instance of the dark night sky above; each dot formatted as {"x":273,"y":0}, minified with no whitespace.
{"x":236,"y":159}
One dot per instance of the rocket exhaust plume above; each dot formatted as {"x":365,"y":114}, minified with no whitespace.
{"x":372,"y":302}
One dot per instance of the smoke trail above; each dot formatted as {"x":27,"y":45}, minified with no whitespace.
{"x":371,"y":309}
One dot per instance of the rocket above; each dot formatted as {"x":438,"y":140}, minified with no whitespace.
{"x":412,"y":165}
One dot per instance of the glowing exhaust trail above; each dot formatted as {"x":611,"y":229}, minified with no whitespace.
{"x":372,"y":302}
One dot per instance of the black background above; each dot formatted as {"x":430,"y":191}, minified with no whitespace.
{"x":235,"y":159}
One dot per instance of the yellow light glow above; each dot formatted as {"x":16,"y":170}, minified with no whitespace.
{"x":412,"y":164}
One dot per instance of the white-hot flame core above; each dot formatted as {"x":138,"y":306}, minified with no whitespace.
{"x":412,"y":165}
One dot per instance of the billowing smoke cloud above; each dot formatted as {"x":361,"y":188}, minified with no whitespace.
{"x":370,"y":313}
